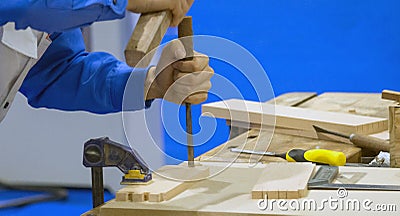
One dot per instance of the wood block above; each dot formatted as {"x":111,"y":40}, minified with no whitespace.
{"x":161,"y":188}
{"x":283,"y":181}
{"x":394,"y":131}
{"x":293,"y":117}
{"x":148,"y":33}
{"x":391,"y":95}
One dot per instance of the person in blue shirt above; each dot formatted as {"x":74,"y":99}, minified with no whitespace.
{"x":67,"y":77}
{"x":60,"y":15}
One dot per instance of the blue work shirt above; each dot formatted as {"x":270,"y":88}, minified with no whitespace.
{"x":59,"y":15}
{"x":67,"y":77}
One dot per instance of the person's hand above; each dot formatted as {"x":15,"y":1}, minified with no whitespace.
{"x":179,"y":8}
{"x":179,"y":81}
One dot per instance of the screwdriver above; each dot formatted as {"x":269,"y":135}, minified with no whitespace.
{"x":320,"y":156}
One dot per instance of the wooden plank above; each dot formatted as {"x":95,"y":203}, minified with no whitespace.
{"x":293,"y":117}
{"x":394,"y":131}
{"x":391,"y":95}
{"x":366,"y":104}
{"x":293,"y":98}
{"x":148,"y":33}
{"x":162,"y":188}
{"x":287,"y":99}
{"x":228,"y":194}
{"x":283,"y":181}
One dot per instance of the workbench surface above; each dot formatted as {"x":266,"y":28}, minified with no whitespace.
{"x":229,"y":193}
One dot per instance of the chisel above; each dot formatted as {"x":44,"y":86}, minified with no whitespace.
{"x":362,"y":141}
{"x":185,"y":29}
{"x":320,"y":156}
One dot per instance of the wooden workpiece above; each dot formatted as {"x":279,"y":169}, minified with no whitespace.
{"x":148,"y":33}
{"x":394,"y":126}
{"x":228,"y":194}
{"x":365,"y":104}
{"x":167,"y":182}
{"x":394,"y":131}
{"x":288,"y":99}
{"x":293,"y":117}
{"x":391,"y":95}
{"x":283,"y":181}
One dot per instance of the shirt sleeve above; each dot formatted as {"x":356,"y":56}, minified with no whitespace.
{"x":68,"y":78}
{"x":57,"y":16}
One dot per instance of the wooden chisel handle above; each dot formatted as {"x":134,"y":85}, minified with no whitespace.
{"x":369,"y":142}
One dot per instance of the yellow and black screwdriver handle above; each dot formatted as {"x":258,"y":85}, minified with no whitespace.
{"x":320,"y":156}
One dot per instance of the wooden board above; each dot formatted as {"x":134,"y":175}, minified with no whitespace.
{"x":293,"y":98}
{"x":391,"y":95}
{"x":366,"y":104}
{"x":394,"y":130}
{"x":147,"y":35}
{"x":286,"y":99}
{"x":228,"y":194}
{"x":283,"y":181}
{"x":161,"y":188}
{"x":293,"y":117}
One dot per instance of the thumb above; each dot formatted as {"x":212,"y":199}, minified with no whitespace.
{"x":176,"y":47}
{"x":171,"y":53}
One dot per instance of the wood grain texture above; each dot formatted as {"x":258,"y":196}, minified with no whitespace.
{"x":259,"y":140}
{"x":293,"y":98}
{"x":365,"y":104}
{"x":147,"y":35}
{"x":286,"y":99}
{"x":293,"y":117}
{"x":391,"y":95}
{"x":161,"y":188}
{"x":283,"y":181}
{"x":394,"y":131}
{"x":228,"y":194}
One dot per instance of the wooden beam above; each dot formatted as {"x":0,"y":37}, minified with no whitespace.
{"x":293,"y":117}
{"x":148,"y":33}
{"x":394,"y":131}
{"x":391,"y":95}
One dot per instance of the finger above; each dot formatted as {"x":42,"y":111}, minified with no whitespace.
{"x":172,"y":52}
{"x":194,"y":78}
{"x":198,"y":63}
{"x":184,"y":91}
{"x":177,"y":15}
{"x":196,"y":98}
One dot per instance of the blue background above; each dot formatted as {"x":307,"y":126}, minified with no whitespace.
{"x":304,"y":45}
